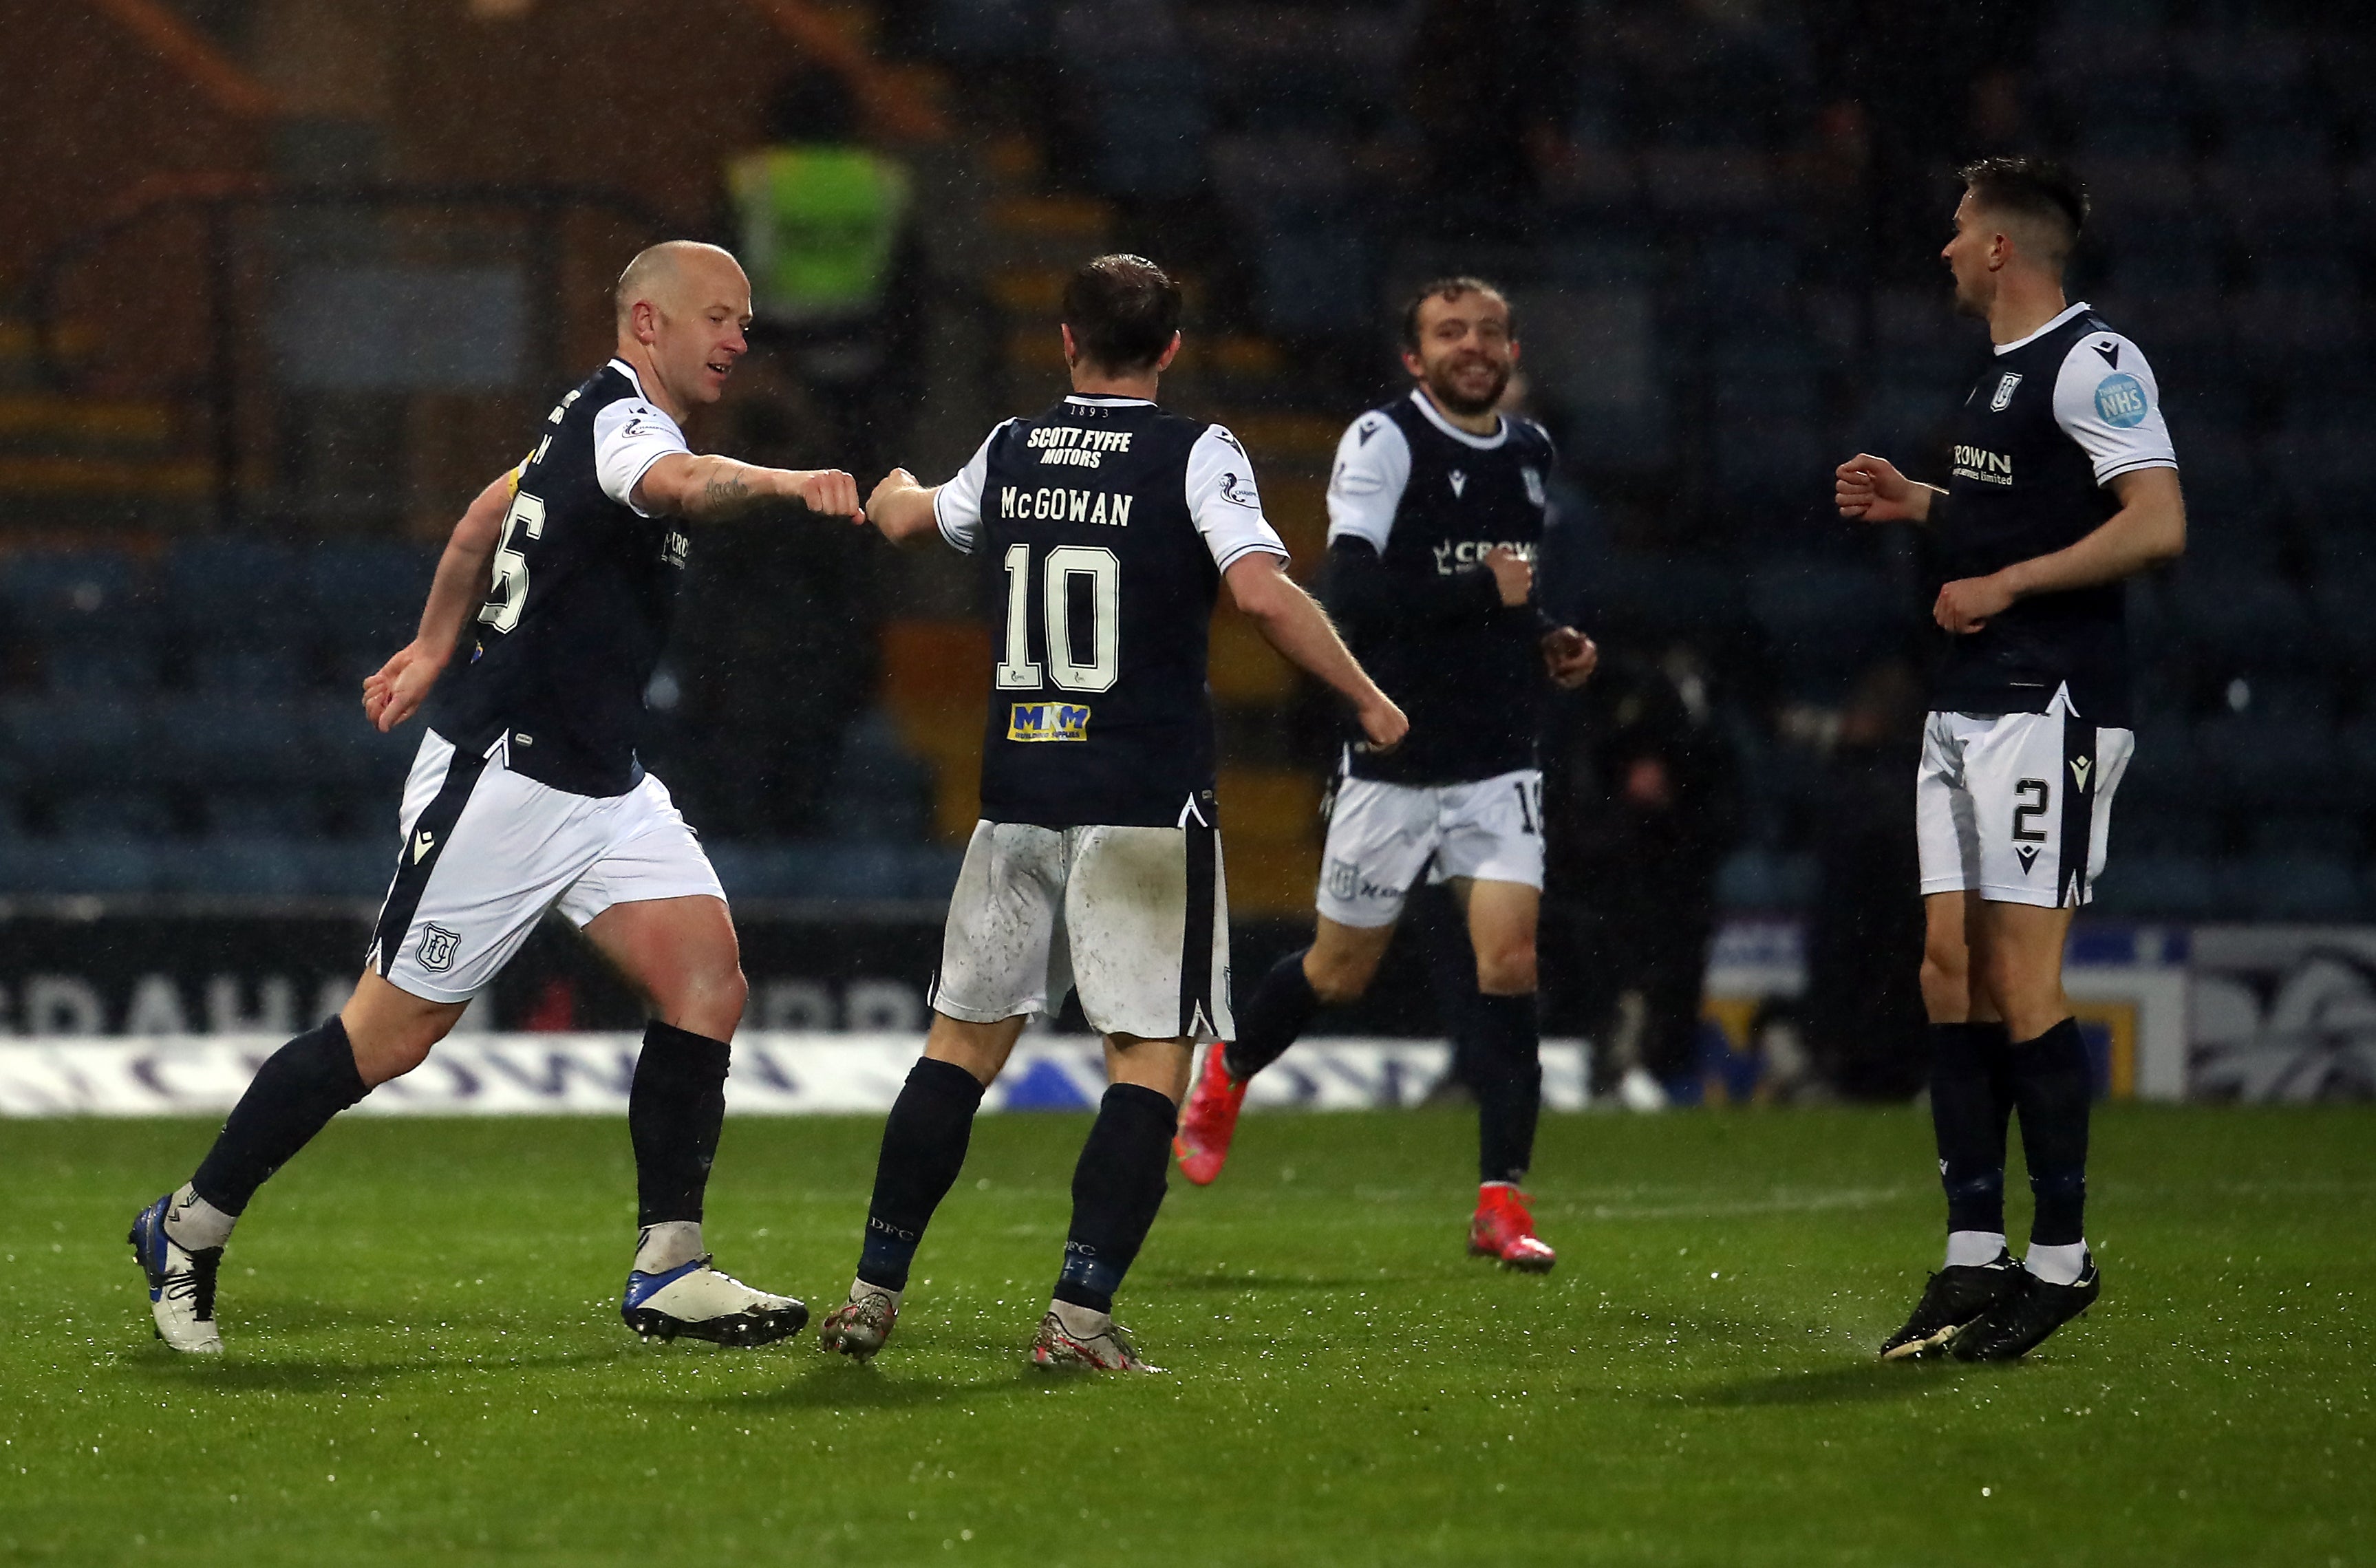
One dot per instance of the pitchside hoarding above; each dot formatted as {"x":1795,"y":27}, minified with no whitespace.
{"x":116,"y":1008}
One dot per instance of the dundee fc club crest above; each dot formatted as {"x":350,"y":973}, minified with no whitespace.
{"x":437,"y":945}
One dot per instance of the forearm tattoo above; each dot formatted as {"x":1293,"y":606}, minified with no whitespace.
{"x":724,"y":493}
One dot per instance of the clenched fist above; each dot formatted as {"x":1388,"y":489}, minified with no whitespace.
{"x":828,"y":491}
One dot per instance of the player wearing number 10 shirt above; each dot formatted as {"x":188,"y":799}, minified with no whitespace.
{"x":1107,"y":527}
{"x":555,"y":595}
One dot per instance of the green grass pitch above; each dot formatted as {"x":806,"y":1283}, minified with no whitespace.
{"x":426,"y":1365}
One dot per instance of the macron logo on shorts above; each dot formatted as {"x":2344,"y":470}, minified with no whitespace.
{"x":422,"y":842}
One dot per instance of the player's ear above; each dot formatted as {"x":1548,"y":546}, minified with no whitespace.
{"x":1163,"y":360}
{"x":1413,"y":363}
{"x":1072,"y":349}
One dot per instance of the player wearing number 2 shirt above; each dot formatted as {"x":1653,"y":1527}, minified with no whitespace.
{"x":1107,"y":528}
{"x":551,"y":601}
{"x":2064,"y":483}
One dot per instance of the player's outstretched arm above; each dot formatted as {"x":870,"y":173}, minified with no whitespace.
{"x":1870,"y":489}
{"x":705,"y":489}
{"x":902,"y":508}
{"x":2150,"y":527}
{"x":397,"y":692}
{"x":1297,"y":628}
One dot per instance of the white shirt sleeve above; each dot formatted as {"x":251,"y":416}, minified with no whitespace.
{"x":630,"y":436}
{"x":956,"y":506}
{"x":1223,"y":500}
{"x":2107,"y":400}
{"x":1373,"y":463}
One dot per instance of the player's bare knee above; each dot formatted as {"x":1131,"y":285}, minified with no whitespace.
{"x":709,"y":1001}
{"x":1337,"y":981}
{"x":385,"y":1053}
{"x":730,"y":992}
{"x":1997,"y":975}
{"x":1946,"y":987}
{"x":1507,"y":971}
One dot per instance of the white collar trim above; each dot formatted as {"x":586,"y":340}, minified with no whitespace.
{"x":623,"y":368}
{"x":2068,"y":312}
{"x":1108,"y":400}
{"x":1435,"y":417}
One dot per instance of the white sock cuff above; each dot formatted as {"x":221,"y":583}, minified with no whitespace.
{"x":194,"y":1224}
{"x":672,"y":1243}
{"x":2058,"y":1266}
{"x":1081,"y":1323}
{"x":1974,"y":1249}
{"x":859,"y":1290}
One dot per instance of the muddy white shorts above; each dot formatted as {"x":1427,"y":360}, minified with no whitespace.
{"x":2017,"y":806}
{"x":1134,"y":918}
{"x":1381,"y":836}
{"x":487,"y":852}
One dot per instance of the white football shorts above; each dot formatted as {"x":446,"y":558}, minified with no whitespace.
{"x":2017,"y":806}
{"x":1382,"y":836}
{"x":1134,"y":918}
{"x":487,"y":852}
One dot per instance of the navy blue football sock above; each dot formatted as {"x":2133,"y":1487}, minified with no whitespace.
{"x":291,"y":1098}
{"x":923,"y":1148}
{"x":1971,"y":1105}
{"x":675,"y":1108}
{"x":2053,"y":1087}
{"x":1117,"y":1187}
{"x":1269,"y":1020}
{"x":1506,"y":1071}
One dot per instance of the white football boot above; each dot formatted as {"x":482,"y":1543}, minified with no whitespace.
{"x":181,"y":1283}
{"x":702,"y":1302}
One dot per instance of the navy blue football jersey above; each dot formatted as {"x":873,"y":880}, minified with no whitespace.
{"x":1105,"y":525}
{"x":554,"y":666}
{"x":2056,"y":417}
{"x":1431,"y":500}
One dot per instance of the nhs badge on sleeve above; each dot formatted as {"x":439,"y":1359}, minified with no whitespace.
{"x":2120,"y":401}
{"x":2005,"y":384}
{"x":1534,"y":478}
{"x":1047,"y":721}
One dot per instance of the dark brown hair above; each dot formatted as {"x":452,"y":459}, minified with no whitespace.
{"x":1123,"y":311}
{"x":1448,"y":289}
{"x":2032,"y":189}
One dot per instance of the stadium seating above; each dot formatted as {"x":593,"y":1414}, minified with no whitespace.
{"x":1711,"y":322}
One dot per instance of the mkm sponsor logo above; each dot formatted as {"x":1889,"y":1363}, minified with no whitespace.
{"x":1047,"y":721}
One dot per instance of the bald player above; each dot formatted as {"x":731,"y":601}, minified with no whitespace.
{"x":554,"y":593}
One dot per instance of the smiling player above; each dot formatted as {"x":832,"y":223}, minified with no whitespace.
{"x":1436,"y":510}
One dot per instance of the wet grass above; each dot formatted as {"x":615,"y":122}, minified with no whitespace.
{"x":426,"y":1363}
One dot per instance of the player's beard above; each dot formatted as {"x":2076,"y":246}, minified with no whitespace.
{"x":1967,"y":305}
{"x":1440,"y":382}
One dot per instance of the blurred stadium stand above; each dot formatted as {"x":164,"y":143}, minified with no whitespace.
{"x":1720,"y":234}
